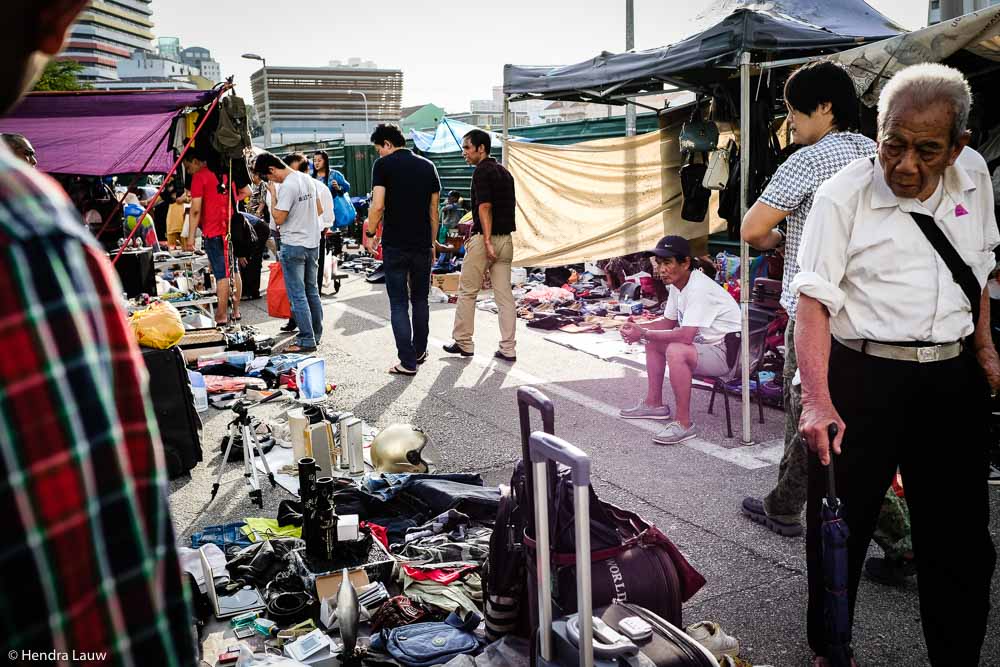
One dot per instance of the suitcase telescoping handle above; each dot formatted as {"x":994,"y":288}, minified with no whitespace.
{"x":544,"y":447}
{"x":531,"y":397}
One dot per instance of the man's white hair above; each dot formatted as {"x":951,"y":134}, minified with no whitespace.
{"x":920,"y":86}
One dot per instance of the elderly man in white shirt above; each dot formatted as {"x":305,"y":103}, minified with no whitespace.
{"x":907,"y":372}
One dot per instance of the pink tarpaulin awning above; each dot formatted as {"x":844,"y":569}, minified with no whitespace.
{"x":100,"y":133}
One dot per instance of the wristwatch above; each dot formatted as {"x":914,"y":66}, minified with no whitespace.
{"x":369,"y":234}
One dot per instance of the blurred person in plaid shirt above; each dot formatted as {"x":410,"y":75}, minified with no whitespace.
{"x":88,"y":566}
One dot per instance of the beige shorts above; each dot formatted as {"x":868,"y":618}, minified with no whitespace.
{"x":711,"y":359}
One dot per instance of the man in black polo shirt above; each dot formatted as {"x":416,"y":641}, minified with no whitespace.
{"x":405,"y":195}
{"x":489,"y":248}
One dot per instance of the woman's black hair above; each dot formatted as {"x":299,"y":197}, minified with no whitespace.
{"x":326,"y":161}
{"x":819,"y":82}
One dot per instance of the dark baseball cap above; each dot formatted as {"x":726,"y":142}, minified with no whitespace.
{"x":671,"y":246}
{"x":455,"y":193}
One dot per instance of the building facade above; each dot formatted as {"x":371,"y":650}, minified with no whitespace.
{"x":200,"y":57}
{"x":107,"y":32}
{"x":312,"y":103}
{"x":945,"y":10}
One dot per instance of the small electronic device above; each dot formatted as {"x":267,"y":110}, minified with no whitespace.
{"x":229,"y":658}
{"x":244,"y":632}
{"x":244,"y":619}
{"x":226,"y":606}
{"x":635,"y":628}
{"x":307,"y":645}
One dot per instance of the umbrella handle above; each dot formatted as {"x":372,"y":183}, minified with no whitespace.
{"x":831,"y":431}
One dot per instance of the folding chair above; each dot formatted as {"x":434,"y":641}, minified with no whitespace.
{"x":719,"y":383}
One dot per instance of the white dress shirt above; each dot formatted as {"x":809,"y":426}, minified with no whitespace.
{"x":864,"y":258}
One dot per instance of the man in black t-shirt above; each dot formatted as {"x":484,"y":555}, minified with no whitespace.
{"x":405,"y":195}
{"x":490,"y":248}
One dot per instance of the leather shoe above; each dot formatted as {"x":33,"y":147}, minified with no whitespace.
{"x":455,"y":349}
{"x":500,"y":355}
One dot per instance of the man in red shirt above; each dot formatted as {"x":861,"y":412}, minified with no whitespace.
{"x":210,"y":209}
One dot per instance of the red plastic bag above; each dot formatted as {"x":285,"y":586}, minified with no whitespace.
{"x":277,"y":297}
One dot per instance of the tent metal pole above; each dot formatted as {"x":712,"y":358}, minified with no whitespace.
{"x":744,"y":248}
{"x":629,"y":45}
{"x":506,"y":129}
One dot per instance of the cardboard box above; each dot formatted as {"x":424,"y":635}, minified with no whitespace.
{"x":327,"y":585}
{"x":446,"y":282}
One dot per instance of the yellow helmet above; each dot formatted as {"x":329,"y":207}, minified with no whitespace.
{"x":400,"y":448}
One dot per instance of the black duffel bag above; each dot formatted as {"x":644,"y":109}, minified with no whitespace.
{"x":631,"y":560}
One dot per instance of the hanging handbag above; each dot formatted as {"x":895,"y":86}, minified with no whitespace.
{"x":696,"y":197}
{"x":717,"y":175}
{"x":698,"y":134}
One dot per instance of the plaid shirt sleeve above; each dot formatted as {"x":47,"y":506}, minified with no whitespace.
{"x":88,"y":564}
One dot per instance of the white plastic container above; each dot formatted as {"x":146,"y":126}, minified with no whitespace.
{"x":297,"y":423}
{"x":198,"y":389}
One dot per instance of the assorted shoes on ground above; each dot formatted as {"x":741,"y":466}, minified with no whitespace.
{"x":753,"y":508}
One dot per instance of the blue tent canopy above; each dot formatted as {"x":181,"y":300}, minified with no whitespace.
{"x":447,"y":138}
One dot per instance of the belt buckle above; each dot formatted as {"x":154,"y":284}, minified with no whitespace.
{"x":928,"y":354}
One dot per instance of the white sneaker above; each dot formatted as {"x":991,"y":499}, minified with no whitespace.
{"x":712,"y":637}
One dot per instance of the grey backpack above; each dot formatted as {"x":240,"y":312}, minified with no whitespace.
{"x":232,"y":136}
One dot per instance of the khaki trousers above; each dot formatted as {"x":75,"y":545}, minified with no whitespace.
{"x":473,"y":270}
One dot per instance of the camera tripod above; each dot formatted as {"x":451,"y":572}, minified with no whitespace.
{"x":243,"y":426}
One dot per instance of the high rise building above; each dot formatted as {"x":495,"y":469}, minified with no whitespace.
{"x":169,"y":48}
{"x":307,"y":103}
{"x":107,"y":32}
{"x":200,"y":57}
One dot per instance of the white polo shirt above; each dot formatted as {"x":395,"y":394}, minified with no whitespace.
{"x":864,"y":258}
{"x":705,"y":304}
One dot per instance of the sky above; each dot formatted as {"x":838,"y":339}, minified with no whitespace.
{"x":450,"y":51}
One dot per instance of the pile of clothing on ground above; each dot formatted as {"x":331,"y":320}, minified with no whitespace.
{"x":575,"y":300}
{"x":238,"y":373}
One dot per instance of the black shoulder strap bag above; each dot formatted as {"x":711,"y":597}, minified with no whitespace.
{"x":960,"y":271}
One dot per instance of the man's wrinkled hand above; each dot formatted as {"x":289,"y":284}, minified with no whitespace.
{"x":814,"y":424}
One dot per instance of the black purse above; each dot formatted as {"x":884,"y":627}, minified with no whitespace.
{"x":696,"y":195}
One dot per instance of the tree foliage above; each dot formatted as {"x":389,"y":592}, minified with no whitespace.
{"x":61,"y":75}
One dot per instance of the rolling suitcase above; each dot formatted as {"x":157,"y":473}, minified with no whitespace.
{"x":591,"y":637}
{"x":631,"y":560}
{"x":506,"y":596}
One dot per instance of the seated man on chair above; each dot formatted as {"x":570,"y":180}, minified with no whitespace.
{"x":689,"y":340}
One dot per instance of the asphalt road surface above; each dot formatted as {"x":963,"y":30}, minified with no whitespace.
{"x":756,"y":580}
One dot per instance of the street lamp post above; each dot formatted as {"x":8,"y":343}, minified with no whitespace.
{"x":267,"y":98}
{"x":365,"y":98}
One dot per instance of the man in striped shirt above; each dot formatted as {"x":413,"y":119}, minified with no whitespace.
{"x":88,"y":567}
